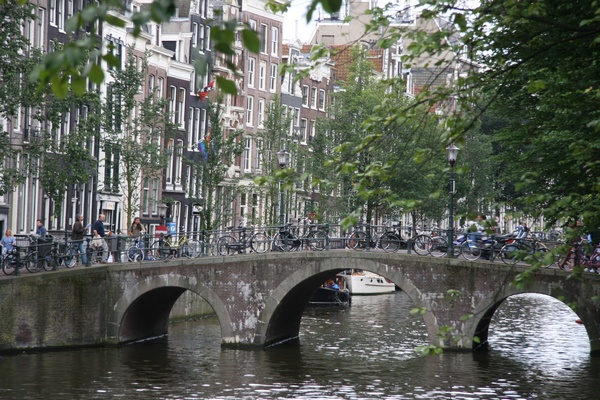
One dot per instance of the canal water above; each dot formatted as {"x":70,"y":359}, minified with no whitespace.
{"x":537,"y":351}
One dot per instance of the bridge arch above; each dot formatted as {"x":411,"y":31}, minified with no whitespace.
{"x":281,"y":316}
{"x":143,"y":311}
{"x":485,"y":310}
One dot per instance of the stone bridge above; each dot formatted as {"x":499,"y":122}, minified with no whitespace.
{"x":259,"y":299}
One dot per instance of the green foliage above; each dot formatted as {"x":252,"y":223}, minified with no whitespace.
{"x":208,"y":172}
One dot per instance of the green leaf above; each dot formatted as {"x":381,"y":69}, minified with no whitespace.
{"x":226,"y":85}
{"x":78,"y":85}
{"x":96,"y":74}
{"x":251,"y":40}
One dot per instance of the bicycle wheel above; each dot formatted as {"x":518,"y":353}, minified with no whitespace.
{"x":226,"y":245}
{"x":32,"y":264}
{"x":184,"y":251}
{"x":194,"y":248}
{"x":316,"y":240}
{"x":509,"y":254}
{"x":134,"y":254}
{"x":8,"y":265}
{"x":422,"y":244}
{"x":357,"y":240}
{"x":51,"y":261}
{"x":470,"y":251}
{"x":285,"y":241}
{"x":160,"y":250}
{"x":439,"y":246}
{"x":389,"y":242}
{"x":70,"y":257}
{"x":259,"y":243}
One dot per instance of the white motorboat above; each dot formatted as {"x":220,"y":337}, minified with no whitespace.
{"x":365,"y":282}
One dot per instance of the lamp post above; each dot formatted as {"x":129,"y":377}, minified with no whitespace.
{"x":282,"y":157}
{"x":162,"y":211}
{"x":451,"y":154}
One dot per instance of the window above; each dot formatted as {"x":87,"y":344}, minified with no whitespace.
{"x":259,"y":156}
{"x":159,"y":88}
{"x":151,"y":84}
{"x":172,"y":103}
{"x":178,"y":161}
{"x":202,"y":124}
{"x":201,"y":38}
{"x":249,"y":110}
{"x":263,"y":38}
{"x":247,"y":150}
{"x":171,"y":153}
{"x":273,"y":79}
{"x":60,"y":17}
{"x":303,"y":130}
{"x":313,"y":97}
{"x":262,"y":75}
{"x":313,"y":129}
{"x":321,"y":99}
{"x":305,"y":96}
{"x":40,"y":39}
{"x":180,"y":107}
{"x":194,"y":34}
{"x":274,"y":40}
{"x":261,"y":113}
{"x":155,"y":187}
{"x":207,"y":38}
{"x":52,"y":15}
{"x":251,"y":67}
{"x":146,"y":204}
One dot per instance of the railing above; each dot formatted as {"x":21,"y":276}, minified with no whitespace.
{"x":56,"y":251}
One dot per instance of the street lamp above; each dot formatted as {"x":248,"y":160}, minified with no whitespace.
{"x":162,"y":211}
{"x":283,"y":158}
{"x":451,"y":154}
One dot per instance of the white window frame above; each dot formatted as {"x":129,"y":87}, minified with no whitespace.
{"x":247,"y":154}
{"x":274,"y":41}
{"x":305,"y":94}
{"x":251,"y":71}
{"x":262,"y":75}
{"x":313,"y":97}
{"x":263,"y":38}
{"x":273,"y":79}
{"x":249,"y":110}
{"x":181,"y":107}
{"x":321,"y":103}
{"x":260,"y":119}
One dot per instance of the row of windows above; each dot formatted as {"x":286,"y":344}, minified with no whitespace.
{"x":262,"y":75}
{"x":310,"y":96}
{"x":200,"y":37}
{"x":265,"y":43}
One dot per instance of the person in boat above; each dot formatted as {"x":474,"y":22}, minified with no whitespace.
{"x":333,"y":285}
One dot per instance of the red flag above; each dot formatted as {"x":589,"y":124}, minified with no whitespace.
{"x":204,"y":92}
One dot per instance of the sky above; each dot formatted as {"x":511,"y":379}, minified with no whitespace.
{"x":294,"y":22}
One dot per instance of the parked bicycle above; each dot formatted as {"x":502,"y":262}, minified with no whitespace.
{"x":66,"y":254}
{"x":236,"y":241}
{"x":474,"y":248}
{"x":135,"y":250}
{"x":165,"y":247}
{"x":22,"y":256}
{"x":285,"y":239}
{"x":521,"y":250}
{"x":359,"y":240}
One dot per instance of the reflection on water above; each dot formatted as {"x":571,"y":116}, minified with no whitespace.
{"x":537,"y":351}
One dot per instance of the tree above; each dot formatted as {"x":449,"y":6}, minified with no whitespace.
{"x":218,"y":151}
{"x":273,"y":138}
{"x":134,"y":143}
{"x":16,"y":62}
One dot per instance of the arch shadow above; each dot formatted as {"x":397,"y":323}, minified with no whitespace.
{"x":143,"y":312}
